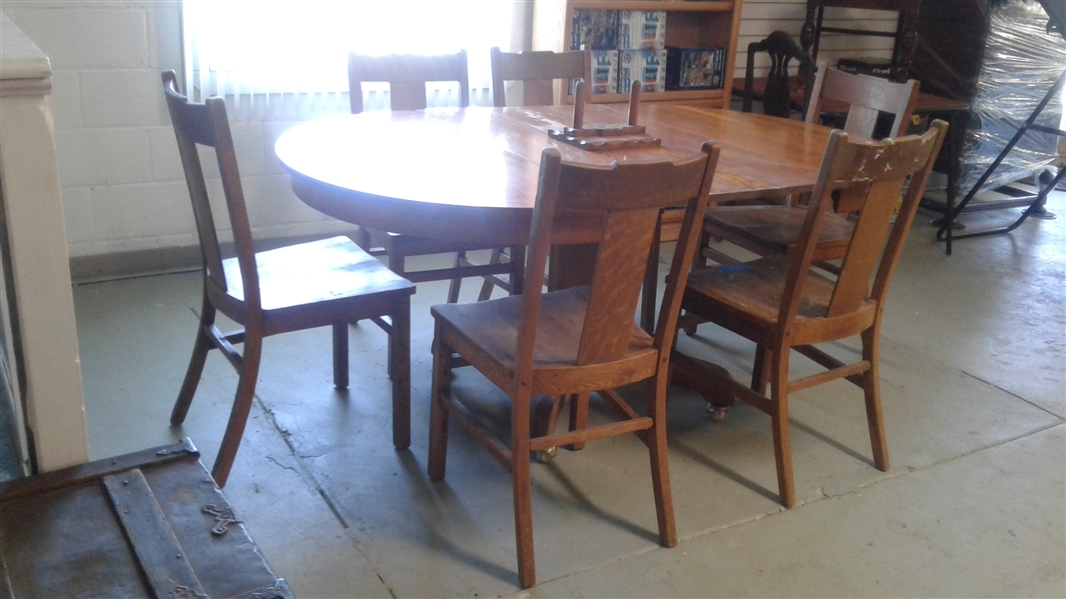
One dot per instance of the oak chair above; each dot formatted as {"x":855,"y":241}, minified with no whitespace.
{"x":407,"y":76}
{"x":538,"y":72}
{"x":583,"y":339}
{"x":781,"y":304}
{"x":775,"y":228}
{"x":309,"y":285}
{"x":777,"y":95}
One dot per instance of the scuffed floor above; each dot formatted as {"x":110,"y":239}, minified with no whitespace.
{"x":973,"y":369}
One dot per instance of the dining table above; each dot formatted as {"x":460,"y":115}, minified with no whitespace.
{"x":471,"y":174}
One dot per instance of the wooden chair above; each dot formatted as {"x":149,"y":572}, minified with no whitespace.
{"x":407,"y":76}
{"x":581,"y":339}
{"x":328,"y":282}
{"x":777,"y":95}
{"x":781,"y":304}
{"x":538,"y":72}
{"x":775,"y":228}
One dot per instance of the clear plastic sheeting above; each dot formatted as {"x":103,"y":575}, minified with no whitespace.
{"x":1021,"y":62}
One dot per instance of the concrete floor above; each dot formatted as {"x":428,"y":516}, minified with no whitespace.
{"x":974,"y":504}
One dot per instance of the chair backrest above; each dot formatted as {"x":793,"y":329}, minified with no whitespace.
{"x":538,"y":72}
{"x":868,"y":96}
{"x":207,"y":125}
{"x":777,"y":97}
{"x":630,"y":196}
{"x":407,"y":75}
{"x":878,"y":172}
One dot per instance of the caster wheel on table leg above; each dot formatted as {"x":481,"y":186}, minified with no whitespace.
{"x":717,"y":413}
{"x":545,"y":456}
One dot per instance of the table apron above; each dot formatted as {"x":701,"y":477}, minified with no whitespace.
{"x":476,"y":224}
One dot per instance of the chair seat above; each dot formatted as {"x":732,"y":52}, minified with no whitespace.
{"x":315,"y":281}
{"x":486,"y":333}
{"x":748,"y":297}
{"x":777,"y":228}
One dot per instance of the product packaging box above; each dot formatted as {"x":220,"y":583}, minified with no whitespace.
{"x":597,"y":28}
{"x":648,"y":67}
{"x":641,"y":29}
{"x":604,"y":73}
{"x":694,"y":68}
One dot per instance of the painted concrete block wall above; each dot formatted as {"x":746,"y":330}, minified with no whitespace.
{"x":122,"y":182}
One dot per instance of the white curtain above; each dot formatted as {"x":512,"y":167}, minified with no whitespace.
{"x":281,"y":56}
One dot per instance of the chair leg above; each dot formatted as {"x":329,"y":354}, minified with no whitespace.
{"x":779,"y":416}
{"x":200,"y":347}
{"x":518,"y":268}
{"x":363,"y":240}
{"x":242,"y":405}
{"x":760,"y":374}
{"x":400,"y":362}
{"x":523,"y":509}
{"x":456,"y":284}
{"x":397,"y":264}
{"x":487,"y":285}
{"x":579,"y":416}
{"x":438,"y":414}
{"x":872,"y":390}
{"x":660,"y":469}
{"x":340,"y":355}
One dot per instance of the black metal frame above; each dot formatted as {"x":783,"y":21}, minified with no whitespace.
{"x":1034,"y":202}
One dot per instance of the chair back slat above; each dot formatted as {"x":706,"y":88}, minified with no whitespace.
{"x":867,"y":96}
{"x":538,"y":72}
{"x":615,"y":288}
{"x":630,"y":197}
{"x":877,"y":171}
{"x":407,"y":75}
{"x":207,"y":125}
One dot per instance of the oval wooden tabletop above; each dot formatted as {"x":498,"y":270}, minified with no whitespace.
{"x":471,"y":173}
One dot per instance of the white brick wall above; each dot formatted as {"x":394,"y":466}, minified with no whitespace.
{"x":122,"y":182}
{"x":118,"y":163}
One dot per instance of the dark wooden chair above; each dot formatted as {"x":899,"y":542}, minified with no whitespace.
{"x":583,"y":339}
{"x":781,"y":304}
{"x":775,"y":228}
{"x":407,"y":76}
{"x":328,"y":282}
{"x":777,"y":95}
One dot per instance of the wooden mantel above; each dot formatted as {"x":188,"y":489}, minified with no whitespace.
{"x":41,"y":321}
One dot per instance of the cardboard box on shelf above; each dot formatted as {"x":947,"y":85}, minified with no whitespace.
{"x":641,"y":29}
{"x":595,"y":27}
{"x":604,"y":73}
{"x":648,"y":67}
{"x":694,"y":68}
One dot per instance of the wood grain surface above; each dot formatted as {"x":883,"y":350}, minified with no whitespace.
{"x":472,"y":173}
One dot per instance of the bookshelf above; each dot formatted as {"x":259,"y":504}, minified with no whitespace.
{"x":689,"y":24}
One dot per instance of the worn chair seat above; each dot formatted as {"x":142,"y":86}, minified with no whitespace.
{"x":315,"y":284}
{"x":492,"y":328}
{"x":777,"y":228}
{"x":750,"y":298}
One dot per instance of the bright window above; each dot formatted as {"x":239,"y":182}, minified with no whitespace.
{"x":246,"y":48}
